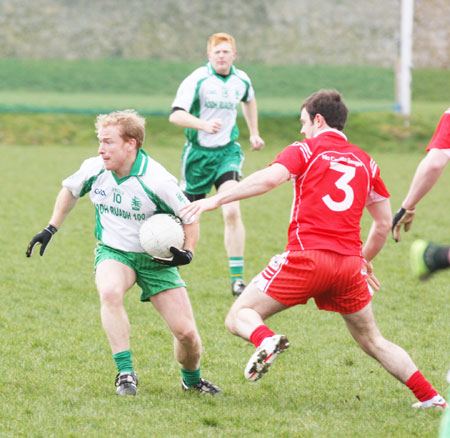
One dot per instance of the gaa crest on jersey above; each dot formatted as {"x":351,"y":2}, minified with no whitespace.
{"x":136,"y":203}
{"x":100,"y":192}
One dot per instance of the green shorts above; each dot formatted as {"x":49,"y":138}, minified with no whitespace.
{"x":203,"y":166}
{"x":151,"y":277}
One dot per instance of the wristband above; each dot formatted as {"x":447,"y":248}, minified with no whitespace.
{"x":51,"y":229}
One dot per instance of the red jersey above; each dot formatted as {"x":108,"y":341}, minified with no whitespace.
{"x":333,"y":182}
{"x":441,"y":137}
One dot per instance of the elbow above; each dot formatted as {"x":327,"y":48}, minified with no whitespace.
{"x":434,"y":162}
{"x":384,"y":226}
{"x":272,"y":182}
{"x":174,"y":116}
{"x":387,"y":227}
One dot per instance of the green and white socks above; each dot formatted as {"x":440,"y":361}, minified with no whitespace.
{"x":236,"y":268}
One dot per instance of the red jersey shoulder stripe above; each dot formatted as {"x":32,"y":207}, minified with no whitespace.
{"x":304,"y":148}
{"x":373,"y":168}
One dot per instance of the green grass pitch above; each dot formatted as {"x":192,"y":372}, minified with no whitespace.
{"x":57,"y":373}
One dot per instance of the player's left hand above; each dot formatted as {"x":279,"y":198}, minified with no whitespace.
{"x":180,"y":257}
{"x":256,"y":143}
{"x":402,"y":217}
{"x":371,"y":279}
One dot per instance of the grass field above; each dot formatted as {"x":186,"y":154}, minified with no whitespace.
{"x":57,"y":371}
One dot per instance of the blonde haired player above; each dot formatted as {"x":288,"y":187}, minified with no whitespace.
{"x":206,"y":105}
{"x":126,"y":187}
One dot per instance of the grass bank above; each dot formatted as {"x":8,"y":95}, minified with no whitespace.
{"x":374,"y":131}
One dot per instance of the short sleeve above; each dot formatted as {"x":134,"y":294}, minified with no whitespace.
{"x":441,"y":136}
{"x":172,"y":195}
{"x":378,"y":191}
{"x":81,"y":181}
{"x":294,"y":157}
{"x":187,"y":90}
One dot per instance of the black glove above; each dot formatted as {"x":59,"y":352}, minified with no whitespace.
{"x":180,"y":257}
{"x":402,"y":218}
{"x":43,"y":238}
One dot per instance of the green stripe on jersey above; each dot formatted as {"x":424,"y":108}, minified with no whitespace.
{"x":88,"y":184}
{"x":98,"y":232}
{"x":161,"y":206}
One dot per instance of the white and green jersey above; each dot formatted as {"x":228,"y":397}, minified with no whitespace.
{"x":207,"y":96}
{"x":122,"y":205}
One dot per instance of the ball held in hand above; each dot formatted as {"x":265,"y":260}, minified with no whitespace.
{"x":160,"y":232}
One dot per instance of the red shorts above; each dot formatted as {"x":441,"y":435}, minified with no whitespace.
{"x":336,"y":282}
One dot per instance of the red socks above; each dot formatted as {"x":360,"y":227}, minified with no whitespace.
{"x":259,"y":334}
{"x":420,"y":386}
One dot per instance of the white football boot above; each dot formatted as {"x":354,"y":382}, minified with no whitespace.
{"x":264,"y":355}
{"x":436,"y":402}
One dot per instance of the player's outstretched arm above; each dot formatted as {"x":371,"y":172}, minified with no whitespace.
{"x":428,"y":172}
{"x":65,"y":201}
{"x":255,"y":184}
{"x":196,"y":208}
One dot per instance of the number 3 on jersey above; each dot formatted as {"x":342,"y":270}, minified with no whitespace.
{"x":341,"y":184}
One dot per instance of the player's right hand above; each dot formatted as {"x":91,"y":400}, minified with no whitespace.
{"x":256,"y":143}
{"x":402,"y":217}
{"x":213,"y":126}
{"x":43,"y":238}
{"x":371,"y":279}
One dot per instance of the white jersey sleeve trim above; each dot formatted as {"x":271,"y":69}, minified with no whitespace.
{"x":445,"y":151}
{"x":306,"y":151}
{"x":374,"y":197}
{"x":373,"y":168}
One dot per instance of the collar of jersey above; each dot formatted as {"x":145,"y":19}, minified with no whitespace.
{"x":331,"y":130}
{"x":211,"y":71}
{"x":139,"y":167}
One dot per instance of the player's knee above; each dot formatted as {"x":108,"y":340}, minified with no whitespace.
{"x":232,"y":214}
{"x":230,"y":320}
{"x":111,"y":296}
{"x":187,"y":336}
{"x":386,"y":225}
